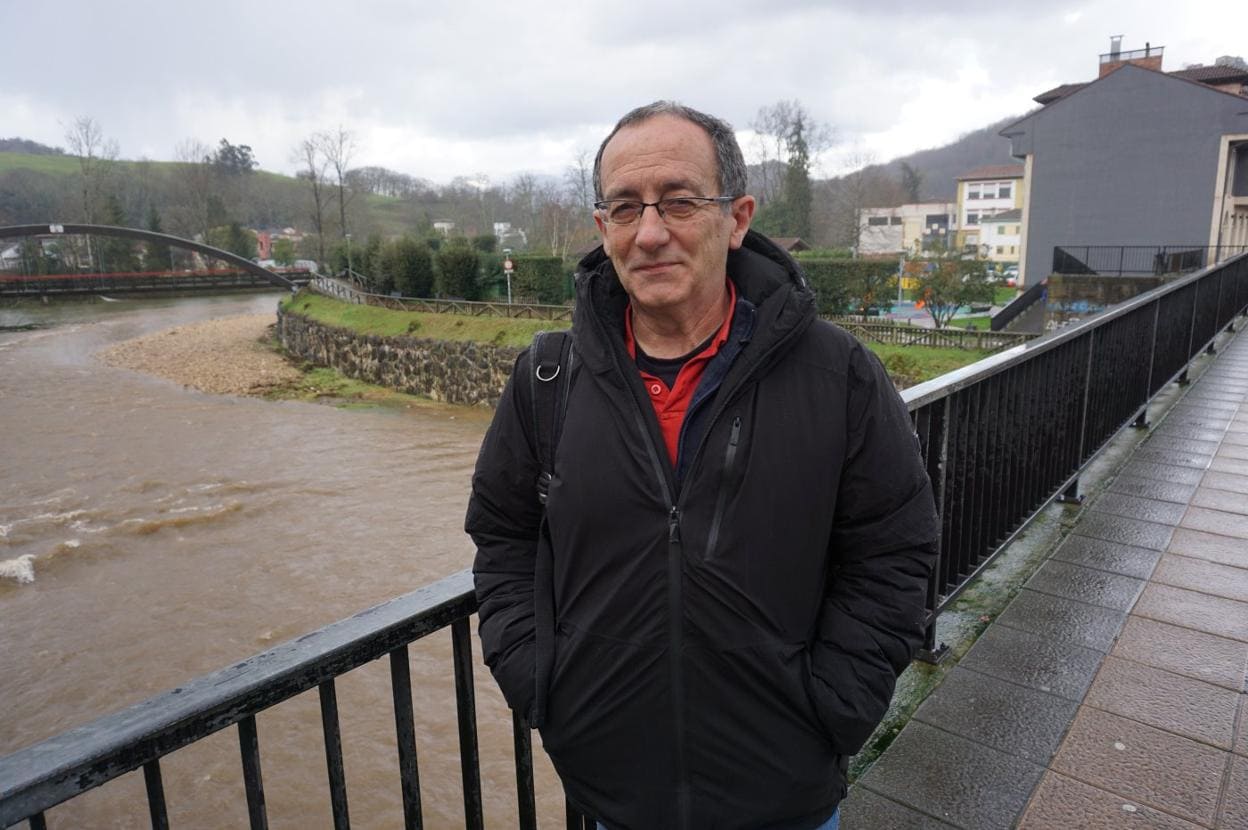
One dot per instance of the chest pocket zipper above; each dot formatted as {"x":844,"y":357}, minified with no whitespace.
{"x":721,"y":502}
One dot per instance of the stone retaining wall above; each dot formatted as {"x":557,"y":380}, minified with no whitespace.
{"x":460,"y":373}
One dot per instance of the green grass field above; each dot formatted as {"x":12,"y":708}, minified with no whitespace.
{"x":499,"y":331}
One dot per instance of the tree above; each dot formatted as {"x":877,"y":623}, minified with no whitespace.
{"x":911,"y":182}
{"x":337,"y":148}
{"x":95,"y":155}
{"x":195,"y":189}
{"x":457,"y":269}
{"x":486,"y":243}
{"x":284,"y":251}
{"x":947,"y":281}
{"x":314,"y":166}
{"x":158,"y":254}
{"x":787,"y":138}
{"x":234,"y":238}
{"x":233,"y":159}
{"x":413,"y":267}
{"x":114,"y":253}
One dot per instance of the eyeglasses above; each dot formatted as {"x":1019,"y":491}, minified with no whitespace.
{"x":675,"y":209}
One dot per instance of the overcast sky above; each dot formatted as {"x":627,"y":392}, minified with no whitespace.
{"x":497,"y":88}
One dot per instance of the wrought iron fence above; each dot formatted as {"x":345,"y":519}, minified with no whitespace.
{"x":1001,"y":439}
{"x":1139,"y":260}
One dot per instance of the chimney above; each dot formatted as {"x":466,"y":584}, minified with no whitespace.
{"x":1148,"y":57}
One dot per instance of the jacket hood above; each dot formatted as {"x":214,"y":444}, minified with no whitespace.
{"x":763,"y":272}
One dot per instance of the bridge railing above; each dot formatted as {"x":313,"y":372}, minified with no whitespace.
{"x":1004,"y":437}
{"x":1001,"y":439}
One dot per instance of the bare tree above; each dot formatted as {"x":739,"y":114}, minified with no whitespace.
{"x":95,"y":153}
{"x":782,"y":130}
{"x":337,"y":147}
{"x":313,"y":170}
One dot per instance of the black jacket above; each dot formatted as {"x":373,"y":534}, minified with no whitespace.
{"x":721,"y":644}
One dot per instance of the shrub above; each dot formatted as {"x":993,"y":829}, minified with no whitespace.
{"x":844,"y":285}
{"x":457,"y":269}
{"x":538,"y":279}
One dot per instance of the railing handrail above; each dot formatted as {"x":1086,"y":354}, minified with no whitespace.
{"x":40,"y":776}
{"x":946,"y":384}
{"x":1018,"y":305}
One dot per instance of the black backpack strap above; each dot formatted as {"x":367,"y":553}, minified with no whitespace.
{"x":550,"y":362}
{"x":550,"y":378}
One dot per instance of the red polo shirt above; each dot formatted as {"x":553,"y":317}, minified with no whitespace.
{"x":670,"y":405}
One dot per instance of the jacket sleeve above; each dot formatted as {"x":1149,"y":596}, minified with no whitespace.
{"x":503,"y":520}
{"x":884,"y":543}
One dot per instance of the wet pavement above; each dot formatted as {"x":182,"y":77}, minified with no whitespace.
{"x":1113,"y":690}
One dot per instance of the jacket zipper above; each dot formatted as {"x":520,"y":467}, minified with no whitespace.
{"x":730,"y":455}
{"x":676,"y":634}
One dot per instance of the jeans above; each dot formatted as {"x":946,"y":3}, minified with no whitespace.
{"x":831,"y":824}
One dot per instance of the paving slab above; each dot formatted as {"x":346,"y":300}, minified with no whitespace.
{"x":1088,"y":585}
{"x":865,"y":810}
{"x":1151,"y":489}
{"x":1129,"y":531}
{"x":1209,"y":546}
{"x":1233,"y":466}
{"x":1204,"y":576}
{"x":959,"y":781}
{"x":1191,"y":609}
{"x":1177,"y":430}
{"x":1062,"y":803}
{"x":1063,"y":620}
{"x":1207,"y":403}
{"x":1235,"y":437}
{"x":1235,"y":802}
{"x":1223,"y":500}
{"x":1003,"y":715}
{"x":1175,"y":458}
{"x":1162,"y":472}
{"x":1136,"y":507}
{"x":1027,"y":659}
{"x":1220,"y":480}
{"x":1163,"y":441}
{"x":1105,"y":555}
{"x":1139,"y":762}
{"x":1202,"y":656}
{"x":1169,"y":701}
{"x":1217,"y":521}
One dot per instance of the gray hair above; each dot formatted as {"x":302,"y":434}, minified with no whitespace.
{"x":729,"y":162}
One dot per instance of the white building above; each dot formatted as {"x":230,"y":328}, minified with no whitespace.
{"x":908,"y":229}
{"x":1000,"y":236}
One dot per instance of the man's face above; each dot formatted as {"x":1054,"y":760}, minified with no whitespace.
{"x":664,"y":265}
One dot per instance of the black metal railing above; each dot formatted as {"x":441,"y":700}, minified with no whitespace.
{"x":37,"y":778}
{"x":1005,"y":436}
{"x":1037,"y":293}
{"x":1001,"y":439}
{"x":1139,"y":260}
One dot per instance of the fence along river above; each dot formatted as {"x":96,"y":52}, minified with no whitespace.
{"x":171,"y":533}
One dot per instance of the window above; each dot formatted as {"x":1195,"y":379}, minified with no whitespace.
{"x":972,"y":191}
{"x":877,"y":220}
{"x":1012,"y":251}
{"x":895,"y":220}
{"x":1000,"y":250}
{"x":1001,"y":230}
{"x":972,"y":217}
{"x":1005,"y":191}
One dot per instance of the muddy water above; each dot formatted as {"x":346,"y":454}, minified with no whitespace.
{"x":150,"y":534}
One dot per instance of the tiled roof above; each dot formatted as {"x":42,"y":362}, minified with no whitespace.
{"x":994,"y":171}
{"x":1200,"y":74}
{"x":1015,"y":215}
{"x":1211,"y":74}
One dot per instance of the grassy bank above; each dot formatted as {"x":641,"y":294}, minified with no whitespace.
{"x":365,"y":319}
{"x":907,"y":364}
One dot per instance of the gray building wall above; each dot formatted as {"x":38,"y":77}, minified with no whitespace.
{"x":1131,"y":159}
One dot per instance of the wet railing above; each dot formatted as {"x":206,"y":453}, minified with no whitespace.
{"x":37,"y":778}
{"x":1001,"y":439}
{"x":1139,"y":260}
{"x":1007,"y":435}
{"x":471,"y":308}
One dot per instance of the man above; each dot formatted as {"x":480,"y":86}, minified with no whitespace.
{"x":730,"y":572}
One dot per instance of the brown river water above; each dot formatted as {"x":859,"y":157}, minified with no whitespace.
{"x":171,"y":532}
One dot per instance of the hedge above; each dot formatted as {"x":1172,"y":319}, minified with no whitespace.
{"x":538,"y":279}
{"x":842,"y":283}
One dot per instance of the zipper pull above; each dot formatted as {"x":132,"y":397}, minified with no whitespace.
{"x":673,"y":525}
{"x":736,"y":431}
